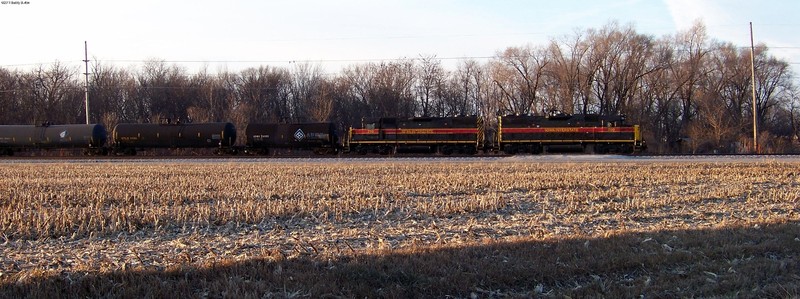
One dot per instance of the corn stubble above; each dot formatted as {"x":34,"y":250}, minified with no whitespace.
{"x":482,"y":229}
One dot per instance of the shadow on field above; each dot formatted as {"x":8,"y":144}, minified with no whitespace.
{"x":733,"y":262}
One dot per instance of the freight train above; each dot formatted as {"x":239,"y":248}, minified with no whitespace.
{"x":512,"y":134}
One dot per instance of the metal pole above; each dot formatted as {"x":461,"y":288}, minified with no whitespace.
{"x":86,"y":77}
{"x":753,"y":81}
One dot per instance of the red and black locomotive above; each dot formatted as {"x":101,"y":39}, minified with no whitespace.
{"x":445,"y":135}
{"x":558,"y":132}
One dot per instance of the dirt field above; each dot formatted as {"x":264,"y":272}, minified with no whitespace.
{"x":401,"y":228}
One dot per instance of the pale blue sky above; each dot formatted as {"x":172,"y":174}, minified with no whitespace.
{"x":238,"y":34}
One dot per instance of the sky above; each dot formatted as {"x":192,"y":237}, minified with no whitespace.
{"x":233,"y":35}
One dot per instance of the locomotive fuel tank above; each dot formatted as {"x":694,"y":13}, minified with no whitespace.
{"x":174,"y":135}
{"x":320,"y":137}
{"x":47,"y":136}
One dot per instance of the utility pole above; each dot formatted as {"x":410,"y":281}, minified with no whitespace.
{"x":86,"y":78}
{"x":753,"y":81}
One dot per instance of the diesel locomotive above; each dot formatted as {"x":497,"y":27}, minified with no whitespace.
{"x":559,"y":131}
{"x":444,"y":135}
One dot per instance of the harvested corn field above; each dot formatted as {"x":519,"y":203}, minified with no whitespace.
{"x":400,"y":229}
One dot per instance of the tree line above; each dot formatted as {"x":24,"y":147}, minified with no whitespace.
{"x":688,"y":92}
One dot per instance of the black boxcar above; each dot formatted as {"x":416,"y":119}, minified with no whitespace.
{"x":444,"y":135}
{"x":131,"y":136}
{"x":262,"y":138}
{"x":90,"y":137}
{"x":559,"y":132}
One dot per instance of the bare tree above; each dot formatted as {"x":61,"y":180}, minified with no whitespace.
{"x":430,"y":80}
{"x":518,"y":73}
{"x":265,"y":91}
{"x":689,"y":68}
{"x":773,"y":85}
{"x":11,"y":94}
{"x":391,"y":89}
{"x":657,"y":108}
{"x":567,"y":76}
{"x":306,"y":92}
{"x":468,"y":83}
{"x":52,"y":95}
{"x":323,"y":101}
{"x":112,"y":91}
{"x":618,"y":58}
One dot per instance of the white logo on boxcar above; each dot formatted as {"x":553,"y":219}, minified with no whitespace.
{"x":63,"y":134}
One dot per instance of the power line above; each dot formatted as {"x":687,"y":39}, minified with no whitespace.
{"x":290,"y":61}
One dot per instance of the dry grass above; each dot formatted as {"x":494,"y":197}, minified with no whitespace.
{"x":400,"y":229}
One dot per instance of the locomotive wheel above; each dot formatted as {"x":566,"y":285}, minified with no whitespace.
{"x":510,"y":150}
{"x":469,"y":150}
{"x":600,"y":149}
{"x":536,"y":149}
{"x":361,"y":150}
{"x":627,"y":149}
{"x":447,"y":150}
{"x":386,"y":150}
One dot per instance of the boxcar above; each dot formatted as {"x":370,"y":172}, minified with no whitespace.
{"x":445,"y":135}
{"x":128,"y":137}
{"x":566,"y":132}
{"x":264,"y":138}
{"x":91,"y":137}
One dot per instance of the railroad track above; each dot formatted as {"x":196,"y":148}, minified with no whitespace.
{"x":411,"y":158}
